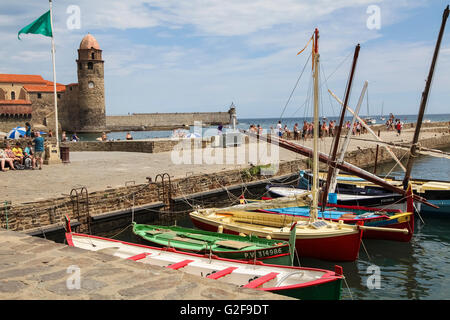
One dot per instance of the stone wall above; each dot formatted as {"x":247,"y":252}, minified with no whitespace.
{"x":152,"y":121}
{"x":146,"y":146}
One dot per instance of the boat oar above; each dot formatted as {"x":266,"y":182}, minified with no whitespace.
{"x":405,"y":231}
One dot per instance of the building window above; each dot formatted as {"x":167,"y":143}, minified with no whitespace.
{"x":59,"y":95}
{"x":93,"y":55}
{"x":39,"y":95}
{"x":90,"y":65}
{"x":80,"y":66}
{"x":90,"y":84}
{"x":13,"y":95}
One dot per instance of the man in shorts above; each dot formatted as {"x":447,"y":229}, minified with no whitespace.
{"x":38,"y":150}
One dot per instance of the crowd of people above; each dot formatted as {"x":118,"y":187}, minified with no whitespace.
{"x":29,"y":155}
{"x":394,"y":124}
{"x":306,"y":131}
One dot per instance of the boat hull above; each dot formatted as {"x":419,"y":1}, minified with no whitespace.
{"x":324,"y":287}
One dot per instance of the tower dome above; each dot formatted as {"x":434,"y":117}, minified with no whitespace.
{"x":89,"y":42}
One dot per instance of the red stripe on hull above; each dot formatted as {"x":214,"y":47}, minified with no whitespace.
{"x":342,"y":248}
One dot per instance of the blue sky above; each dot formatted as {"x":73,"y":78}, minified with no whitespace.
{"x":201,"y":55}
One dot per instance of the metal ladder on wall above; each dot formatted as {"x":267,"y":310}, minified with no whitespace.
{"x":80,"y":207}
{"x":165,"y":196}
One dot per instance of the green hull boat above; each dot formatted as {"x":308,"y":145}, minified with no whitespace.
{"x":227,"y":246}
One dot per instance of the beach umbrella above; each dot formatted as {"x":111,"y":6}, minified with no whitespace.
{"x":193,"y":135}
{"x":16,"y":133}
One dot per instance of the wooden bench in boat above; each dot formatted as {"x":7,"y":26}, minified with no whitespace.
{"x":261,"y":280}
{"x":233,"y":244}
{"x":139,"y":256}
{"x":179,"y":265}
{"x":221,"y":273}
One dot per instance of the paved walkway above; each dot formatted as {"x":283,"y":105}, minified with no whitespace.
{"x":101,"y":170}
{"x":33,"y":268}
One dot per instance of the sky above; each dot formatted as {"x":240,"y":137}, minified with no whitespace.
{"x":202,"y":55}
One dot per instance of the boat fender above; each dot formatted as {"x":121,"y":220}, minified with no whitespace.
{"x":268,"y":237}
{"x":220,"y":229}
{"x":242,"y":234}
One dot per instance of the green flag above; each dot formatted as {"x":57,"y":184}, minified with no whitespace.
{"x":41,"y":25}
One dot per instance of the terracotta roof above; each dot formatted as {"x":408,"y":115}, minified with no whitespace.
{"x":3,"y":102}
{"x":45,"y":88}
{"x":21,"y":78}
{"x":89,"y":42}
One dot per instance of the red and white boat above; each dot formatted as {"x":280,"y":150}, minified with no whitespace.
{"x":297,"y":282}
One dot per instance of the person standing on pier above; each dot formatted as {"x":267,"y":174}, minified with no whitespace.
{"x":38,"y":150}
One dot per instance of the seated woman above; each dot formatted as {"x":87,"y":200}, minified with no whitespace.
{"x":28,"y":155}
{"x":10,"y":154}
{"x":18,"y":152}
{"x":4,"y":159}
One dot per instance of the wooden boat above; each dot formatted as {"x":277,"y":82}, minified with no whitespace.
{"x":435,"y":191}
{"x":228,"y":246}
{"x":320,"y":239}
{"x":370,"y":217}
{"x":297,"y":282}
{"x":347,"y":193}
{"x":325,"y":240}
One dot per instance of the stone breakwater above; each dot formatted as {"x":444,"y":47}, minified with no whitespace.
{"x":32,"y":268}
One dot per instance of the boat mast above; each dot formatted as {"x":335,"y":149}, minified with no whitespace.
{"x":332,"y":164}
{"x":333,"y":179}
{"x":423,"y":103}
{"x":315,"y":188}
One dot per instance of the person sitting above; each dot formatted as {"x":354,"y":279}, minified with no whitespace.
{"x":129,"y":137}
{"x":18,"y":152}
{"x":28,"y":155}
{"x":5,"y":159}
{"x":10,"y":154}
{"x":103,"y":136}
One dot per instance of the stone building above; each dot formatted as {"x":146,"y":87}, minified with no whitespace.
{"x":81,"y":106}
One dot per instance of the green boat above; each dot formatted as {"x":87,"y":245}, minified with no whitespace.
{"x":222,"y":245}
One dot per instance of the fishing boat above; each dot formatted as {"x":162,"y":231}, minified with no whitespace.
{"x":346,"y":193}
{"x":315,"y":238}
{"x":370,"y":217}
{"x":367,"y":196}
{"x":297,"y":282}
{"x":228,"y":246}
{"x":436,"y":192}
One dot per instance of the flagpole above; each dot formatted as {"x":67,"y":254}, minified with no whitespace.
{"x":54,"y":78}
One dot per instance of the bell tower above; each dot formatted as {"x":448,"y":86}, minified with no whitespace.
{"x":91,"y":89}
